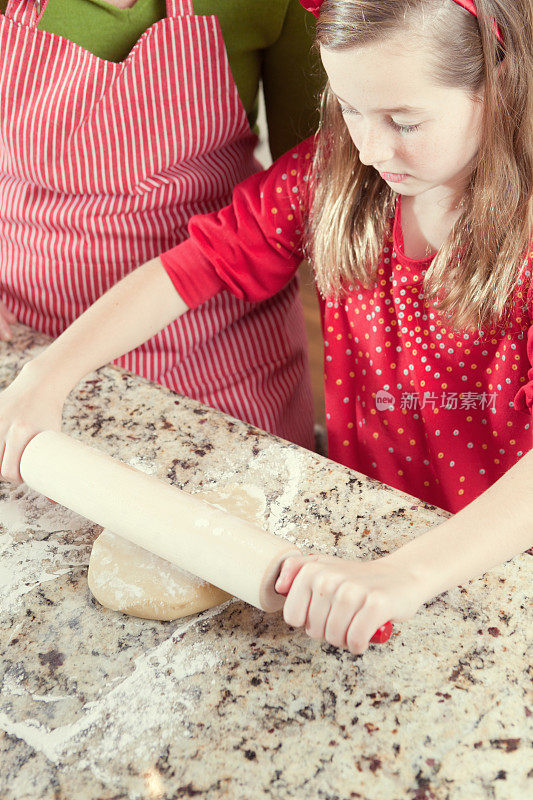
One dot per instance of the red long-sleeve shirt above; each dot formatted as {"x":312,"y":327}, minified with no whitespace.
{"x":438,"y":413}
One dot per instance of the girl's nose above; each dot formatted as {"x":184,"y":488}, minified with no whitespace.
{"x":374,"y":147}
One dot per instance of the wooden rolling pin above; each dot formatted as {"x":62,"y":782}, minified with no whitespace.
{"x":224,"y":550}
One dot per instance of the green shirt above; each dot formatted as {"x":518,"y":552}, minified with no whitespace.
{"x":266,"y":40}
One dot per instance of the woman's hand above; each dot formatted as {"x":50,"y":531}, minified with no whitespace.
{"x":345,"y":602}
{"x":7,"y":318}
{"x":29,"y":405}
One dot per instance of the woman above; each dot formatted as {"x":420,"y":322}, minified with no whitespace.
{"x":120,"y":121}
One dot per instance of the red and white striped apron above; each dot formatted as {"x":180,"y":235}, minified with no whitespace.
{"x":101,"y":166}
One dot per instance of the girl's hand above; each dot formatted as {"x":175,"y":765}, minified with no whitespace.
{"x":7,"y":318}
{"x":31,"y":404}
{"x":345,"y":602}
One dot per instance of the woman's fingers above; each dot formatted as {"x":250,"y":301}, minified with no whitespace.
{"x":6,"y":318}
{"x":28,"y":406}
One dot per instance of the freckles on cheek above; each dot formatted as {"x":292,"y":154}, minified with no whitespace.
{"x":412,"y":155}
{"x":425,"y":155}
{"x":446,"y":148}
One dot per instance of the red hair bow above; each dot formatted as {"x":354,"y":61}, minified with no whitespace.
{"x":312,"y":5}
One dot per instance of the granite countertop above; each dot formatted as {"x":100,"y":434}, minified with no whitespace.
{"x":232,"y":703}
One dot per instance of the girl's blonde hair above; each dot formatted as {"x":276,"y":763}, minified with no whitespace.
{"x":472,"y":277}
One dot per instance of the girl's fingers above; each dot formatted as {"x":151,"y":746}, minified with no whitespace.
{"x":290,"y":569}
{"x":322,"y":592}
{"x":299,"y":596}
{"x":335,"y":603}
{"x":14,"y":447}
{"x":296,"y":605}
{"x":365,"y":623}
{"x":346,"y":602}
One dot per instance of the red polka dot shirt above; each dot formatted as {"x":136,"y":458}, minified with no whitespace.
{"x":438,"y":413}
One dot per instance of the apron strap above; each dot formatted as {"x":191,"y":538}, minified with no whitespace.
{"x":26,"y":12}
{"x":179,"y":8}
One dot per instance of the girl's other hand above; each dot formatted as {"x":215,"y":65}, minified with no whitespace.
{"x":345,"y":602}
{"x":7,"y":318}
{"x":29,"y":405}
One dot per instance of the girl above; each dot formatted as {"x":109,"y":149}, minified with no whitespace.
{"x":120,"y":119}
{"x":415,"y":205}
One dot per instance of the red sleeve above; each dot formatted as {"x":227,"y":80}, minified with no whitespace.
{"x":524,"y":398}
{"x":252,"y":247}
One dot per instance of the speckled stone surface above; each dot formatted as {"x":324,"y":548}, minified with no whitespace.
{"x":232,"y":703}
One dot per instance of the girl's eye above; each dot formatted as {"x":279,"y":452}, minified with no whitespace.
{"x":347,"y":111}
{"x":404,"y":128}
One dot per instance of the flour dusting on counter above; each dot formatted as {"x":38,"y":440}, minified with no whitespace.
{"x":282,"y":508}
{"x":143,"y":465}
{"x":24,"y":565}
{"x":264,"y":468}
{"x":13,"y":517}
{"x":152,"y":696}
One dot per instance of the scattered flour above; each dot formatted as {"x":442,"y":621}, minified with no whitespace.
{"x":282,"y":507}
{"x":148,"y":467}
{"x":267,"y":462}
{"x":13,"y":517}
{"x":26,"y":564}
{"x":152,"y":697}
{"x":25,"y":560}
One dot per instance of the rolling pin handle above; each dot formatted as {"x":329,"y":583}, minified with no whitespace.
{"x":383,"y":634}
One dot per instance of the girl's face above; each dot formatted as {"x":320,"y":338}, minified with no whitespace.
{"x":420,"y":136}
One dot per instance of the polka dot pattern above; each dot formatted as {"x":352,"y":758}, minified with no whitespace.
{"x":424,"y":401}
{"x":438,"y":413}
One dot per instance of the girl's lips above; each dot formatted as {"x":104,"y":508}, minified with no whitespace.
{"x":394,"y":177}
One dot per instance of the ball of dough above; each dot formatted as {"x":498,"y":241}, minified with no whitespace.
{"x":125,"y":577}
